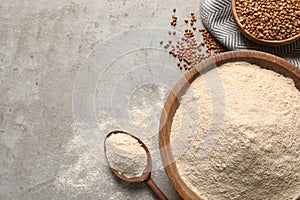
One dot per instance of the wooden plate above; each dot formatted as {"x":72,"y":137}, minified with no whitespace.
{"x":256,"y":40}
{"x":261,"y":59}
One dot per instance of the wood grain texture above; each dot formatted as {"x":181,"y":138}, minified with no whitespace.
{"x":254,"y":39}
{"x":262,"y":59}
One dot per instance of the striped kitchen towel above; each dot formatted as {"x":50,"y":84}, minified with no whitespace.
{"x":217,"y":18}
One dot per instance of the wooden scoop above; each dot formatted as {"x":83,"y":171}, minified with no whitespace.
{"x":146,"y":176}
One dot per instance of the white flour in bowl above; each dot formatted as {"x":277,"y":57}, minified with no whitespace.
{"x":126,"y":155}
{"x":257,"y":154}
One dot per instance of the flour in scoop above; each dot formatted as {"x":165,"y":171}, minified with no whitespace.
{"x":126,"y":155}
{"x":257,"y":153}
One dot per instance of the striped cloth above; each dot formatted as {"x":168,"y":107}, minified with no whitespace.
{"x":217,"y":18}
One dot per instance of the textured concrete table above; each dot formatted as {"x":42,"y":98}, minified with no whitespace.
{"x":48,"y":51}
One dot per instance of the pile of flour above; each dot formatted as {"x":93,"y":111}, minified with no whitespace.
{"x":125,"y":154}
{"x":257,"y":153}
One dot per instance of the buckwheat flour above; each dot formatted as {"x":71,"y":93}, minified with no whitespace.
{"x":257,"y":154}
{"x":126,"y":155}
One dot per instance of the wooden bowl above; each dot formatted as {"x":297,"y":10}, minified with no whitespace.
{"x":261,"y":59}
{"x":257,"y":40}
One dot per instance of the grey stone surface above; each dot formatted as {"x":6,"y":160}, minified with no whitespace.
{"x":44,"y":45}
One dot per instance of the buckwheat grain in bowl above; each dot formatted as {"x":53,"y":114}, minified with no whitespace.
{"x":257,"y":152}
{"x":268,"y":21}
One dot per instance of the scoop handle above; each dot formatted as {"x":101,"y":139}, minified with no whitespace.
{"x":159,"y":194}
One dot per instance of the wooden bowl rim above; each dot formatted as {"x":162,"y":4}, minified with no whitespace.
{"x":257,"y":40}
{"x":286,"y":68}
